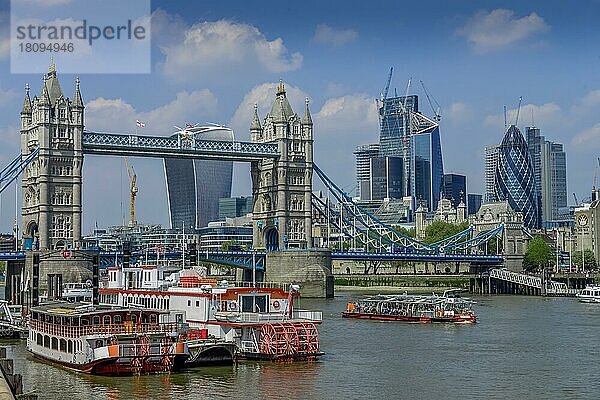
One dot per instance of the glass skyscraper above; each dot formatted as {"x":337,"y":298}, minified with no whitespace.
{"x":427,"y":173}
{"x":194,"y":187}
{"x":515,"y":180}
{"x":455,"y":188}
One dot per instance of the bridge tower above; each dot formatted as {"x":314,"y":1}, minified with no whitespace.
{"x":282,"y":187}
{"x":51,"y":184}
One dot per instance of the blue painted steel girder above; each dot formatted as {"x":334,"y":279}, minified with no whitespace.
{"x":117,"y":144}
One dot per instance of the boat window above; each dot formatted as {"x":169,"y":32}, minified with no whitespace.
{"x":189,"y":303}
{"x":254,"y":303}
{"x":63,"y":345}
{"x":153,"y":318}
{"x":106,"y":320}
{"x":99,"y":343}
{"x":40,"y":340}
{"x":70,"y":346}
{"x":96,"y":320}
{"x":117,"y":319}
{"x":55,"y":343}
{"x":47,"y":341}
{"x":134,"y":318}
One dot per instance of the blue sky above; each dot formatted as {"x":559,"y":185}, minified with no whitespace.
{"x":212,"y":60}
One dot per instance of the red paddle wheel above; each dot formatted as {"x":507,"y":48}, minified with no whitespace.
{"x":167,"y":359}
{"x":289,"y":339}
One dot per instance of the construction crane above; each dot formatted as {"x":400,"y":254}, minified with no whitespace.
{"x":133,"y":189}
{"x":384,"y":93}
{"x":518,"y":110}
{"x":575,"y":198}
{"x":595,"y":182}
{"x":436,"y":110}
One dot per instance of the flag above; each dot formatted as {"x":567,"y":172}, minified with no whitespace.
{"x":139,"y":123}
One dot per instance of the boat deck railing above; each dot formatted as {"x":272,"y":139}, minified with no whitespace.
{"x":109,"y":329}
{"x":257,"y":318}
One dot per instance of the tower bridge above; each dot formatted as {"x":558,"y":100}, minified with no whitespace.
{"x":53,"y":145}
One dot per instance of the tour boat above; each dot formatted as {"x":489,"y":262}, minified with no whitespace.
{"x":259,"y":319}
{"x":449,"y":307}
{"x":591,"y":294}
{"x":105,"y":340}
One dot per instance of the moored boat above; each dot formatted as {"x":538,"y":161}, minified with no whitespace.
{"x":591,"y":294}
{"x":259,"y":320}
{"x":105,"y":340}
{"x":449,"y":307}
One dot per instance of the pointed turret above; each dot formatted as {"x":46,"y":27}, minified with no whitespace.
{"x":255,"y":125}
{"x":307,"y":119}
{"x":77,"y":100}
{"x":54,"y":90}
{"x":45,"y":97}
{"x":26,"y":109}
{"x":281,"y":109}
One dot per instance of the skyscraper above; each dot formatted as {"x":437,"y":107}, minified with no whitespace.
{"x":515,"y":181}
{"x":407,"y":134}
{"x":491,"y":162}
{"x":550,"y":173}
{"x":473,"y":203}
{"x":385,"y":178}
{"x":455,"y":188}
{"x":194,"y":187}
{"x":363,"y":154}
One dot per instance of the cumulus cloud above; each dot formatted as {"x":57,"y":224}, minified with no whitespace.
{"x":500,"y":28}
{"x":587,"y":137}
{"x":216,"y":45}
{"x":548,"y":113}
{"x":325,"y":34}
{"x":455,"y":111}
{"x":110,"y":114}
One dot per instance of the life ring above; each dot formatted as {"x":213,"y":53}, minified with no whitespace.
{"x":232,"y":305}
{"x":276,"y":304}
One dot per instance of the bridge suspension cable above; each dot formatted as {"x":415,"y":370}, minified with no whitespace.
{"x":14,"y":169}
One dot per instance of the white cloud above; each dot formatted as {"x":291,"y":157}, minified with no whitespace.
{"x":591,"y":99}
{"x":589,"y":136}
{"x":327,"y":35}
{"x":349,"y":115}
{"x":545,"y":114}
{"x":110,"y":114}
{"x":500,"y":28}
{"x":455,"y":111}
{"x":216,"y":45}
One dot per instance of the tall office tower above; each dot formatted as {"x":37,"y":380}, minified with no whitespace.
{"x":385,"y":178}
{"x":194,"y":187}
{"x":515,"y":181}
{"x":406,"y":133}
{"x":491,"y":162}
{"x":363,"y":154}
{"x":474,"y":203}
{"x":455,"y":188}
{"x":550,"y":172}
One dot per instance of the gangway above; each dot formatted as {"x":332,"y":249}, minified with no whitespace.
{"x":552,"y":287}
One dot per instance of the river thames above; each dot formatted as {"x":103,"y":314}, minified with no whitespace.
{"x":522,"y":347}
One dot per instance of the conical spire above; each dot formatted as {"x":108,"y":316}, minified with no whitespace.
{"x":307,"y":119}
{"x":77,"y":101}
{"x":45,"y":97}
{"x":26,"y":102}
{"x":255,"y":125}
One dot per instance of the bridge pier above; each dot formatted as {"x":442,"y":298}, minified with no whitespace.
{"x":311,"y":269}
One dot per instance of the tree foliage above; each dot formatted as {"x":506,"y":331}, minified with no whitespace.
{"x":538,"y":254}
{"x":590,"y":259}
{"x":439,"y":230}
{"x":406,"y":232}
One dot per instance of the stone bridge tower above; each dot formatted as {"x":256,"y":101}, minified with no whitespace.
{"x":282,"y":187}
{"x":51,"y":184}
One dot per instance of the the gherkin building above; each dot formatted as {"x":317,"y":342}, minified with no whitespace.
{"x":514,"y":176}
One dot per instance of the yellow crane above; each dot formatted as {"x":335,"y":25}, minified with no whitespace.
{"x":133,"y":189}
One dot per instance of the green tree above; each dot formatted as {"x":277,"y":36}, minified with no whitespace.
{"x":439,"y":230}
{"x":539,"y":254}
{"x":590,"y":259}
{"x":406,"y":232}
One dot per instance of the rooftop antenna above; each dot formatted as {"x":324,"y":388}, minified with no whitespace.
{"x":518,"y":110}
{"x":532,"y":121}
{"x":505,"y":118}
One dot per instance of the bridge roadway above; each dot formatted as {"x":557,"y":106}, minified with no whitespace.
{"x":118,"y":144}
{"x":244,"y":259}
